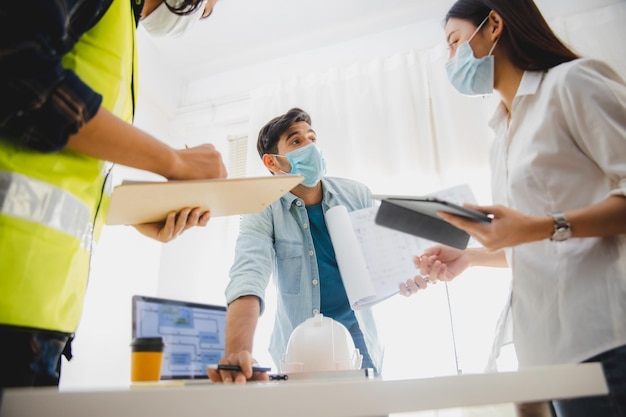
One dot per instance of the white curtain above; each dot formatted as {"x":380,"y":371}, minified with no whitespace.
{"x":377,"y":122}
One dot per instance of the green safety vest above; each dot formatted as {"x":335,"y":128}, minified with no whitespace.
{"x":48,"y":202}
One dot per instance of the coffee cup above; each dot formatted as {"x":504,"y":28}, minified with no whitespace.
{"x":146,"y":359}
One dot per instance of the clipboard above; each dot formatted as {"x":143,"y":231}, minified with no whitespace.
{"x":146,"y":202}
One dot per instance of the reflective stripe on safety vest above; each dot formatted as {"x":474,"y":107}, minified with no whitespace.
{"x":45,"y":204}
{"x":51,"y":204}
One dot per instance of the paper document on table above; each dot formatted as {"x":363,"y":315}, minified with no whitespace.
{"x":373,"y":260}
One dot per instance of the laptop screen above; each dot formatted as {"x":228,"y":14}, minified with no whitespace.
{"x":193,"y":333}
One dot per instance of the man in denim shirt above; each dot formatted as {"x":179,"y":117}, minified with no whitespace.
{"x":289,"y":240}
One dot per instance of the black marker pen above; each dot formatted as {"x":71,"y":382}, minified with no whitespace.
{"x":238,"y":368}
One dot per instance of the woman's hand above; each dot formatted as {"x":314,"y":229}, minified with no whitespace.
{"x":508,"y":227}
{"x":438,"y":263}
{"x":441,"y":263}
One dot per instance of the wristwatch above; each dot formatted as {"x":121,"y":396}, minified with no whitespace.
{"x":562,"y":228}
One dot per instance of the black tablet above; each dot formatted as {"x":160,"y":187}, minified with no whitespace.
{"x":432,"y":205}
{"x":418,"y":217}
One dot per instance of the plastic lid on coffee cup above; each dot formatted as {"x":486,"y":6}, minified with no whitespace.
{"x":147,"y":344}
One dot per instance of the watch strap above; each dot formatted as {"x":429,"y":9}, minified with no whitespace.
{"x":562,"y":227}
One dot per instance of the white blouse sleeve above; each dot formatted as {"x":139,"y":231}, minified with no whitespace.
{"x":593,"y":97}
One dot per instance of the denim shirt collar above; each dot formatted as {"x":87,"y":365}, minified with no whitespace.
{"x":329,"y":195}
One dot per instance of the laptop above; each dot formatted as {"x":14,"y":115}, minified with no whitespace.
{"x":193,"y":334}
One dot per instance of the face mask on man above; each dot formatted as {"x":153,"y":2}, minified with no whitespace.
{"x":309,"y":162}
{"x":471,"y":76}
{"x":163,"y":22}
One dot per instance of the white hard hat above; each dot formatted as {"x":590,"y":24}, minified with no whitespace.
{"x":320,"y":344}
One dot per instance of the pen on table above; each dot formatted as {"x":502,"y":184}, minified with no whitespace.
{"x":238,"y":368}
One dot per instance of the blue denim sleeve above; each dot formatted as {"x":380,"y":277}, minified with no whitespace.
{"x":254,"y":257}
{"x":41,"y":103}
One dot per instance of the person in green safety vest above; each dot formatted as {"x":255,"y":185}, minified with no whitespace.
{"x":67,"y":97}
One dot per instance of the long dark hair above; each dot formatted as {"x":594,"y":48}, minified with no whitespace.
{"x":527,"y":39}
{"x":182,"y":7}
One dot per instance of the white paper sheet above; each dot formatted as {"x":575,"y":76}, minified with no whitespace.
{"x":373,"y":260}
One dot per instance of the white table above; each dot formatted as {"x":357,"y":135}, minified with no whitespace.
{"x":313,"y":398}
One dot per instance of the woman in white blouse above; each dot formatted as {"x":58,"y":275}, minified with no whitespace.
{"x":559,"y":190}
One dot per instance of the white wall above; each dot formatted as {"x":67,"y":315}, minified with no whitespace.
{"x":195,"y":266}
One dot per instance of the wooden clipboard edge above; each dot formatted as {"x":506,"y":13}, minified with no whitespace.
{"x":115,"y":217}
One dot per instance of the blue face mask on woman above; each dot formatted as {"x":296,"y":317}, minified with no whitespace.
{"x":471,"y":76}
{"x":309,"y":162}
